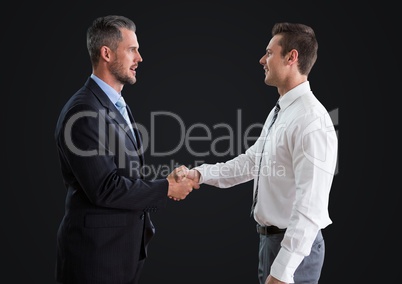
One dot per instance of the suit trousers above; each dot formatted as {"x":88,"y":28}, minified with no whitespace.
{"x":137,"y":273}
{"x":309,"y":270}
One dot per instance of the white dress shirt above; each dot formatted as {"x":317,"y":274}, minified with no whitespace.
{"x":297,"y":168}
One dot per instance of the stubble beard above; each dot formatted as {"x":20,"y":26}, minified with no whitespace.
{"x":118,"y":71}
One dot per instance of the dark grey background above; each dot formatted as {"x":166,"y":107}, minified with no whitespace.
{"x":201,"y":63}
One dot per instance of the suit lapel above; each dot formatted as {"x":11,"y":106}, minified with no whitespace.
{"x":117,"y":116}
{"x":137,"y":133}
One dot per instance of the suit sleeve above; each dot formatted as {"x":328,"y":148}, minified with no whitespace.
{"x":91,"y":164}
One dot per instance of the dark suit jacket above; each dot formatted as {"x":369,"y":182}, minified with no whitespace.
{"x":104,"y":233}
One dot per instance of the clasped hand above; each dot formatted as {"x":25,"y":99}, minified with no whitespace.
{"x":182,"y":181}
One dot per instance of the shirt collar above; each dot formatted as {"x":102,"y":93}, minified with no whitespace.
{"x":293,"y":94}
{"x":109,"y":91}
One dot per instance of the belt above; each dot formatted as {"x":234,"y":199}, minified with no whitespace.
{"x":269,"y":230}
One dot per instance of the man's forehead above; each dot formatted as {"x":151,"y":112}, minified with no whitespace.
{"x":273,"y":42}
{"x":130,"y":37}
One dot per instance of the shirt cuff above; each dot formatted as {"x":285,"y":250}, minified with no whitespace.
{"x":200,"y":170}
{"x":285,"y":265}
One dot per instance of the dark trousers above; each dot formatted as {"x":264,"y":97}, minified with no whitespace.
{"x":136,"y":279}
{"x":309,"y":270}
{"x":138,"y":272}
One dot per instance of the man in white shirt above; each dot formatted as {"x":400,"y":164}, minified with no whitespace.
{"x":292,"y":163}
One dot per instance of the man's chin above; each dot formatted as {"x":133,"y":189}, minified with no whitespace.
{"x":129,"y":81}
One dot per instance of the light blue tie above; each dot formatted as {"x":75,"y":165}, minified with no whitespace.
{"x":121,"y":106}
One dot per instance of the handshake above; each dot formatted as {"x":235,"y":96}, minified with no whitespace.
{"x":182,"y":181}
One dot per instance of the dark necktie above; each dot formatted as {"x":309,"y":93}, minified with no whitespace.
{"x":121,"y":106}
{"x":277,"y":108}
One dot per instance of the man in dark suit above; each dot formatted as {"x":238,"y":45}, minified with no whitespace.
{"x":106,"y":228}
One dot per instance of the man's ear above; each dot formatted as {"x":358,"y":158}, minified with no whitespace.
{"x":105,"y":53}
{"x":293,"y":56}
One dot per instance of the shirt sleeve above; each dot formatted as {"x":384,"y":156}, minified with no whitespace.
{"x":230,"y":173}
{"x":314,"y":156}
